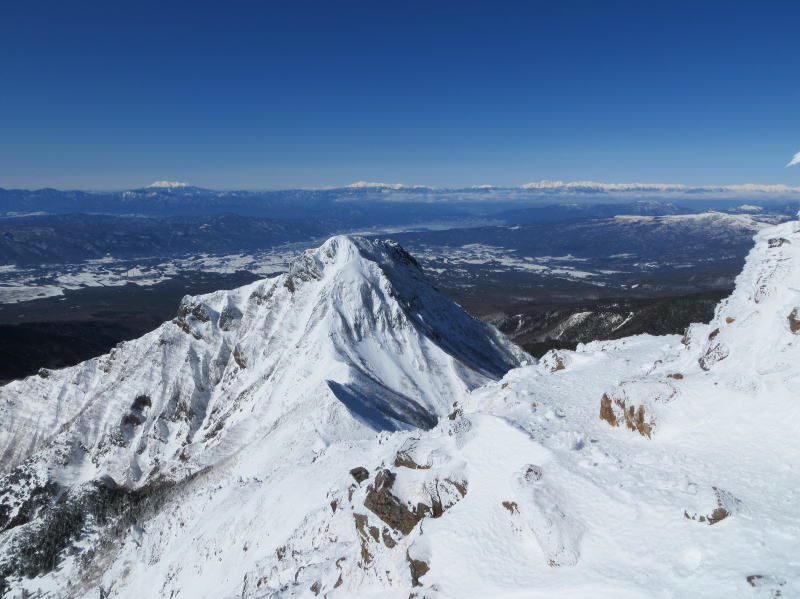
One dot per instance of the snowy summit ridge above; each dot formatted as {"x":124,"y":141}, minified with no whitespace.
{"x":343,"y":430}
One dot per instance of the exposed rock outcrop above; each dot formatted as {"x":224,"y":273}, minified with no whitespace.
{"x":794,"y":320}
{"x":359,"y":474}
{"x":615,"y":410}
{"x":726,"y":505}
{"x":418,"y":569}
{"x":401,"y":515}
{"x":389,"y":508}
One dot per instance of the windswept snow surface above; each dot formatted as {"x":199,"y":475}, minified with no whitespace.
{"x":641,"y":467}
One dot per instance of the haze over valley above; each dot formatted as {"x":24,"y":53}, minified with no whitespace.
{"x":76,"y":283}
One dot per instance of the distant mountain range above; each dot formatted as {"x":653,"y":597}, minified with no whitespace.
{"x":366,"y":203}
{"x":591,"y":231}
{"x":169,"y":218}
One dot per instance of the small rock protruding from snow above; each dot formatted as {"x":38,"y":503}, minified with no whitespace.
{"x":794,"y":320}
{"x":359,"y":474}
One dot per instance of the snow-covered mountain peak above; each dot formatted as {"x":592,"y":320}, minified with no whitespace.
{"x":351,"y":340}
{"x":344,"y":251}
{"x":377,"y":285}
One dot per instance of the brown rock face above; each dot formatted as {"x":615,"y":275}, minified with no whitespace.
{"x":634,"y":417}
{"x":361,"y":527}
{"x":606,"y":411}
{"x":634,"y":420}
{"x":726,"y":505}
{"x":418,"y":569}
{"x":389,"y":508}
{"x":360,"y":474}
{"x":398,"y":514}
{"x":769,"y":584}
{"x":387,"y":538}
{"x":794,"y":321}
{"x":718,"y":515}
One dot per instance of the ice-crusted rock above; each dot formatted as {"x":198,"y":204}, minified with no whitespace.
{"x":751,"y":330}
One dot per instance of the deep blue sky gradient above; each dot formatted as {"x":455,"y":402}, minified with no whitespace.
{"x":111,"y":95}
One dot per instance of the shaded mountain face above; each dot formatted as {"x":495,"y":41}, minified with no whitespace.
{"x":342,"y":431}
{"x":544,"y":327}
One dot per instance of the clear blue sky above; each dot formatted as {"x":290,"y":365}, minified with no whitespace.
{"x":115,"y":94}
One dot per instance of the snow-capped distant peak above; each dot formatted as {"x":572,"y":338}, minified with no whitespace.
{"x":594,"y":185}
{"x":599,"y":187}
{"x":167,"y":184}
{"x":368,"y":184}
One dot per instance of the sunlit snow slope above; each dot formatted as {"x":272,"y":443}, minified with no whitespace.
{"x":337,"y":432}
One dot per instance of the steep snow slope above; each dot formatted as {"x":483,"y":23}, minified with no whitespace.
{"x":642,"y":467}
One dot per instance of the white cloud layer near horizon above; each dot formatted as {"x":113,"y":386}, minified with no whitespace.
{"x":795,"y":160}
